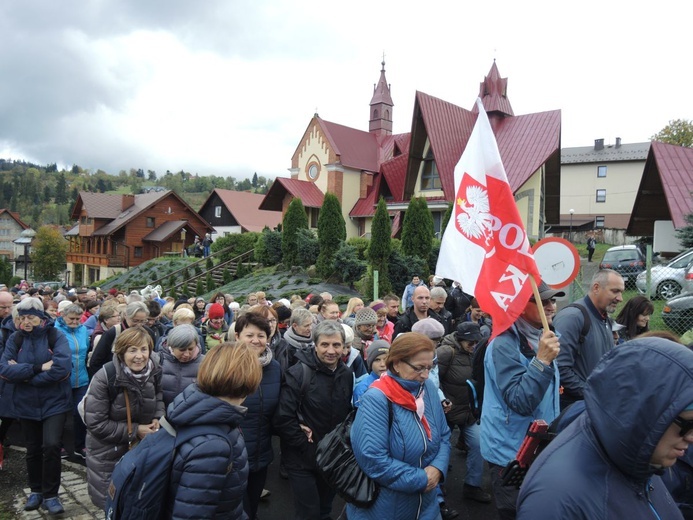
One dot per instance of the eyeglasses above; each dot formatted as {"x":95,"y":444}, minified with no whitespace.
{"x":685,"y":425}
{"x":421,"y":370}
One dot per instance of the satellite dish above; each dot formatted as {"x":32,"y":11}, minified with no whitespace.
{"x":558,"y":261}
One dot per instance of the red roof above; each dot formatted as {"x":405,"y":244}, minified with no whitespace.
{"x":15,"y":216}
{"x":365,"y":206}
{"x":355,"y":148}
{"x":245,"y":208}
{"x":308,"y":192}
{"x":493,"y":93}
{"x":665,"y":189}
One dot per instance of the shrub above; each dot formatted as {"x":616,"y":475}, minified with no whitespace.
{"x":226,"y":275}
{"x":295,"y":219}
{"x":268,"y":249}
{"x":347,"y":265}
{"x":237,"y":244}
{"x":402,"y":268}
{"x":361,"y":244}
{"x":308,"y":247}
{"x":199,"y":288}
{"x":331,"y":233}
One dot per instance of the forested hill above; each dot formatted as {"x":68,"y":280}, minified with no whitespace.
{"x":45,"y":195}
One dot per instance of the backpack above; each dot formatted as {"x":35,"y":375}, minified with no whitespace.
{"x":51,"y":333}
{"x":586,"y":322}
{"x":475,"y":385}
{"x":113,"y":389}
{"x":140,"y":480}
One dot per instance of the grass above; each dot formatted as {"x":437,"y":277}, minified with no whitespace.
{"x":599,"y":251}
{"x":656,"y":321}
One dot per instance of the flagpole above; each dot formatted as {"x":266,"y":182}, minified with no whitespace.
{"x":540,"y":307}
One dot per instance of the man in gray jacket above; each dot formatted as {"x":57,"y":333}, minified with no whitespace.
{"x":581,"y":353}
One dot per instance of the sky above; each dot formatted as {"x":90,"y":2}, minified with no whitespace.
{"x":227,"y":87}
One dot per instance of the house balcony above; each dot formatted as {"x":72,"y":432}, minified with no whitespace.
{"x":94,"y":259}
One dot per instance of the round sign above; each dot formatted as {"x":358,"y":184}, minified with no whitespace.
{"x":558,"y":261}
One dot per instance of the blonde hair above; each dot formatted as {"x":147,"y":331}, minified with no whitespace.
{"x":182,"y":313}
{"x":132,"y":336}
{"x":229,"y":371}
{"x":353,"y":302}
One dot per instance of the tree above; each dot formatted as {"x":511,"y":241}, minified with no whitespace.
{"x":61,"y":189}
{"x":151,"y":175}
{"x":381,"y":246}
{"x":685,"y":234}
{"x":49,"y":253}
{"x":347,"y":264}
{"x":678,"y":131}
{"x":307,"y":247}
{"x":331,"y":232}
{"x":446,"y":219}
{"x":417,"y":230}
{"x":294,"y":219}
{"x":268,"y":250}
{"x":254,"y":181}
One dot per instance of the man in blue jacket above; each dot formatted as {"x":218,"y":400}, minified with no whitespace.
{"x":638,"y":421}
{"x":521,"y":386}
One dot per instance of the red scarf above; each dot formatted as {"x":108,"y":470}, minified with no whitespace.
{"x":398,"y":395}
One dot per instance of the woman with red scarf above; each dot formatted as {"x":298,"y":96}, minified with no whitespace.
{"x":400,"y":436}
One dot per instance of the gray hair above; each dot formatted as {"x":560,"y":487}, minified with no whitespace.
{"x":438,"y":292}
{"x":601,"y":277}
{"x":328,"y":328}
{"x":135,"y":307}
{"x":181,"y":336}
{"x":298,"y":316}
{"x":72,"y":309}
{"x":31,"y":304}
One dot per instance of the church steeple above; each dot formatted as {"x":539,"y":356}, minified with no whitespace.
{"x":380,"y":122}
{"x":493,"y":92}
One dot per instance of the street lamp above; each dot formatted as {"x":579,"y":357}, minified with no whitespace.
{"x":570,"y":234}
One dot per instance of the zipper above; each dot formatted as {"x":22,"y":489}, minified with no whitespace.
{"x":425,"y":449}
{"x":649,"y":488}
{"x":76,"y":359}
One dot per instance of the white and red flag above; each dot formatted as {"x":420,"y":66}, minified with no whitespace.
{"x":485,"y":244}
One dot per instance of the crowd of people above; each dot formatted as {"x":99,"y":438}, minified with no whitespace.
{"x":117,"y":364}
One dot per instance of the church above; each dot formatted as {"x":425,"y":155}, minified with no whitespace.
{"x":361,"y":166}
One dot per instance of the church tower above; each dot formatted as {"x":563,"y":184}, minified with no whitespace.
{"x":380,"y":122}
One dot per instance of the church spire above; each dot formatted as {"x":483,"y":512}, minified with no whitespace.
{"x":493,"y":92}
{"x":380,"y":121}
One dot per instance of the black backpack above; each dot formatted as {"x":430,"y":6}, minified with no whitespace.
{"x":586,"y":322}
{"x":475,"y":385}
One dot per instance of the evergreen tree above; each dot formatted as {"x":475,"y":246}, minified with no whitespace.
{"x":254,"y":181}
{"x":61,"y":189}
{"x":199,"y":288}
{"x":226,"y":275}
{"x":210,"y":282}
{"x":380,"y":247}
{"x":209,"y":263}
{"x":417,"y":230}
{"x":331,"y":232}
{"x":446,"y":219}
{"x":295,"y":218}
{"x":685,"y":234}
{"x":49,"y":253}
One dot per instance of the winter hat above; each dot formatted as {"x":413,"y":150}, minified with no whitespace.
{"x":216,"y":311}
{"x":468,"y":331}
{"x":429,"y":327}
{"x":377,"y":306}
{"x":348,"y":334}
{"x":63,"y":305}
{"x":286,"y":303}
{"x":375,"y":349}
{"x":234,"y":306}
{"x":366,"y":316}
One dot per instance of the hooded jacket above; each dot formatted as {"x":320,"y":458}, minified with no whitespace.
{"x":454,"y":368}
{"x":396,"y":454}
{"x":37,"y":394}
{"x":78,"y":339}
{"x":209,"y":475}
{"x":176,"y":376}
{"x":599,"y":466}
{"x":326,"y":403}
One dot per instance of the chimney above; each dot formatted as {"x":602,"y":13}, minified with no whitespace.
{"x":618,"y":142}
{"x":598,"y":144}
{"x":128,"y":201}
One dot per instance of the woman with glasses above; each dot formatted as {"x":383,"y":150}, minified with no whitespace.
{"x":215,"y":331}
{"x":180,"y":361}
{"x":273,"y":318}
{"x":254,"y":329}
{"x":454,"y":369}
{"x":37,"y":361}
{"x":400,"y":437}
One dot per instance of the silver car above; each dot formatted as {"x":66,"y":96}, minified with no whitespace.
{"x":667,"y":279}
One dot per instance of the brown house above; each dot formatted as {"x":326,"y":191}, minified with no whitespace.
{"x":116,"y":232}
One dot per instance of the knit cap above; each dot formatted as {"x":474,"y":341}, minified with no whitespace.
{"x":429,"y":327}
{"x":375,"y":349}
{"x":366,"y":316}
{"x":63,"y":305}
{"x":348,"y":334}
{"x":216,"y":311}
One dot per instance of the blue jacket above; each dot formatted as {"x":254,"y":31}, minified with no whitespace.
{"x":257,"y":424}
{"x":361,"y":388}
{"x":209,"y":475}
{"x":518,"y":389}
{"x":7,"y":328}
{"x":38,"y":395}
{"x":599,"y":466}
{"x":396,"y":456}
{"x":78,"y":339}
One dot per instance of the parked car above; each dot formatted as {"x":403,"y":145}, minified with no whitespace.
{"x":666,"y":280}
{"x":678,"y":313}
{"x":628,"y":261}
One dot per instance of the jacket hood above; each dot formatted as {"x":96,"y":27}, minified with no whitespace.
{"x":632,"y":397}
{"x":192,"y":407}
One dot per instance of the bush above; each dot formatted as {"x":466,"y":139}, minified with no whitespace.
{"x":361,"y":244}
{"x":236,"y":243}
{"x":199,"y":288}
{"x":209,"y":263}
{"x":295,"y":219}
{"x":433,"y":256}
{"x":347,"y":266}
{"x":198,"y":270}
{"x":402,"y":268}
{"x":308,"y":247}
{"x":210,"y":282}
{"x":226,"y":275}
{"x":268,"y":249}
{"x":172,"y":293}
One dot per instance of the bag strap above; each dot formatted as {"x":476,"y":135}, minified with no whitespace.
{"x":129,"y":416}
{"x":586,"y":322}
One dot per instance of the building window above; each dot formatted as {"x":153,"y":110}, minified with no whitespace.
{"x":599,"y":222}
{"x":437,"y":222}
{"x":430,"y":180}
{"x":601,"y":171}
{"x":217,"y":211}
{"x":601,"y":195}
{"x":138,"y":251}
{"x":150,"y":221}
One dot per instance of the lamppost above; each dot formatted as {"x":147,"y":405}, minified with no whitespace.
{"x":570,"y":234}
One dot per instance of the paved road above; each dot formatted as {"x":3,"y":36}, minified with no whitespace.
{"x":278,"y":506}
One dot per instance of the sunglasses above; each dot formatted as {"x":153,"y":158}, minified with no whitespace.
{"x":685,"y":425}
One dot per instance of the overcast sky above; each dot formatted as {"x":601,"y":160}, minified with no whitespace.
{"x":227,"y":87}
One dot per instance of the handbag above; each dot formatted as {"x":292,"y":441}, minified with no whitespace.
{"x":337,"y":464}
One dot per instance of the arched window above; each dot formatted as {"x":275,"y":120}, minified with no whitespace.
{"x":375,"y":113}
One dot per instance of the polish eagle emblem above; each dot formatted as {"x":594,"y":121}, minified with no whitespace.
{"x":473,"y":217}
